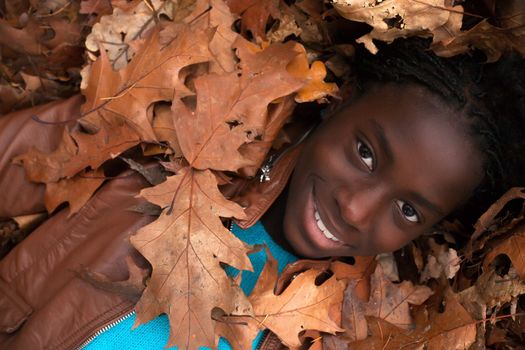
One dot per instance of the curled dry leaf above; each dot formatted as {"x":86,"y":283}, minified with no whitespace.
{"x":186,"y":246}
{"x":115,"y":32}
{"x":494,"y":41}
{"x":514,"y":247}
{"x":440,"y":260}
{"x":487,"y":219}
{"x":392,"y":19}
{"x":452,"y":329}
{"x":388,"y":302}
{"x":301,"y":306}
{"x":490,"y":291}
{"x":389,"y":266}
{"x":153,"y":173}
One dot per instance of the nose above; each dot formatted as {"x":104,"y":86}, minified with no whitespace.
{"x":360,"y":206}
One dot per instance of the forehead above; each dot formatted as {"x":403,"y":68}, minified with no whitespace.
{"x":431,"y":150}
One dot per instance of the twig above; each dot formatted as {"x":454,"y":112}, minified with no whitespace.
{"x":56,"y":12}
{"x":152,"y":9}
{"x":38,"y":120}
{"x":122,"y":94}
{"x":448,"y":9}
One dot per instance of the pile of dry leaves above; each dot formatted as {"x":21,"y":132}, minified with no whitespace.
{"x":154,"y":73}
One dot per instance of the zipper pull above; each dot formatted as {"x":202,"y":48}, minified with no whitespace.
{"x":265,"y":174}
{"x":266,"y":168}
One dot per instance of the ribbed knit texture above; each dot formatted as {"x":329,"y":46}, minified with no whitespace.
{"x":154,"y":334}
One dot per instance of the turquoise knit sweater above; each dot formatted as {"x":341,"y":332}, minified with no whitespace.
{"x":154,"y":334}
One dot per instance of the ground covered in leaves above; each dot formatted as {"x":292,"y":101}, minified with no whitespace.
{"x":153,"y":74}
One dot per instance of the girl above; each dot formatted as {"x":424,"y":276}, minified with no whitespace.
{"x":421,"y":138}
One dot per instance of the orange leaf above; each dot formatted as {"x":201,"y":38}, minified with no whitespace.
{"x":315,"y":88}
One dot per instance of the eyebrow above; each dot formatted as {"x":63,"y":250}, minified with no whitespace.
{"x":379,"y":133}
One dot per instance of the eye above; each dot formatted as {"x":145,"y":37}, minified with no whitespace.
{"x":408,"y":211}
{"x":366,"y":155}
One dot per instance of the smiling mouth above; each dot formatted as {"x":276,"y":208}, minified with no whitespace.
{"x":322,"y":227}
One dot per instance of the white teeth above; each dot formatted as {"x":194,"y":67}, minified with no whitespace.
{"x":323,"y":228}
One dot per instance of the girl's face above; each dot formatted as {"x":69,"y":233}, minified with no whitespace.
{"x":380,"y":173}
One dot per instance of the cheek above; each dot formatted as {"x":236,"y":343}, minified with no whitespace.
{"x":388,"y":237}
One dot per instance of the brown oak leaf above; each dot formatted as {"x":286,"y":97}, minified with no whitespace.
{"x":391,"y":301}
{"x":152,"y":75}
{"x":388,"y":302}
{"x":301,"y":306}
{"x":215,"y":14}
{"x":186,"y":246}
{"x":452,"y":329}
{"x":218,"y":126}
{"x":79,"y":150}
{"x":255,"y":15}
{"x":164,"y":130}
{"x":76,"y":190}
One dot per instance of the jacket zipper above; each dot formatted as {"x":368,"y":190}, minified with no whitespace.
{"x":274,"y":158}
{"x":105,"y":329}
{"x":265,"y":335}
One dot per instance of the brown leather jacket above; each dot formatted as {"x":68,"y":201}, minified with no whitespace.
{"x":43,"y":302}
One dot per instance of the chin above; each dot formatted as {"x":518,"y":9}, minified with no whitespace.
{"x":310,"y":245}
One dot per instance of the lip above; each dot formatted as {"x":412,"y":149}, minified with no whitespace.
{"x":315,"y":236}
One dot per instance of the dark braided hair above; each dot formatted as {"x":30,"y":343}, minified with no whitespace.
{"x":491,"y":97}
